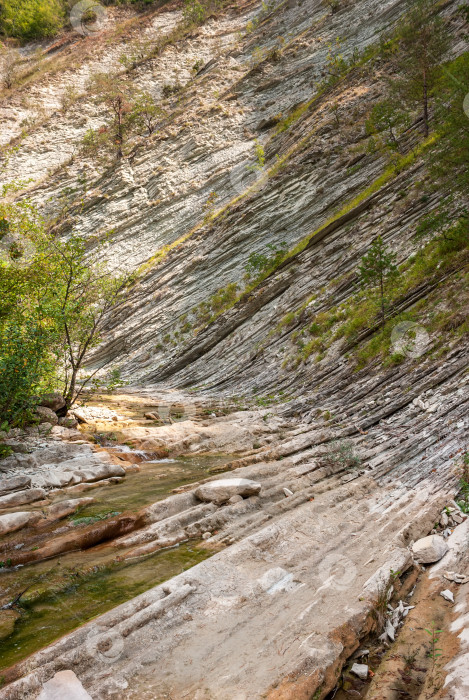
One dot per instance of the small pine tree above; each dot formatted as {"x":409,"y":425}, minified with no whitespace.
{"x":377,"y":269}
{"x":423,"y":43}
{"x":116,"y":97}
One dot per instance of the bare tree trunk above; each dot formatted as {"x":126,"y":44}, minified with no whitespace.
{"x":70,"y":395}
{"x":426,"y":129}
{"x":381,"y":284}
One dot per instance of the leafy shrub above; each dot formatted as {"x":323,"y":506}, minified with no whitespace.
{"x":5,"y":451}
{"x":196,"y":11}
{"x":260,"y":262}
{"x":31,"y":19}
{"x":343,"y":455}
{"x":23,"y":350}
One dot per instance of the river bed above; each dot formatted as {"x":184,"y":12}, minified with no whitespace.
{"x":67,"y":591}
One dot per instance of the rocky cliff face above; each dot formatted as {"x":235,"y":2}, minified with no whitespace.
{"x":260,"y":80}
{"x":258,"y":148}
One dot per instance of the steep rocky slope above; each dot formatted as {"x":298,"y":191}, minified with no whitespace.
{"x":356,"y":447}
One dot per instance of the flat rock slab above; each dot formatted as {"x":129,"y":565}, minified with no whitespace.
{"x":64,"y":508}
{"x":20,"y":498}
{"x":429,"y":549}
{"x":222,"y":490}
{"x":84,"y":471}
{"x":15,"y":483}
{"x":16,"y":521}
{"x":64,"y":686}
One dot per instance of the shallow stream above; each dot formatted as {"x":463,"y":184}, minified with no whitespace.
{"x":67,"y":591}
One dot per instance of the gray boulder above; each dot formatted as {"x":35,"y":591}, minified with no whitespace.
{"x":54,"y":401}
{"x":68,"y":422}
{"x":16,"y":521}
{"x":20,"y":498}
{"x":15,"y":483}
{"x":46,"y":415}
{"x":429,"y":549}
{"x":360,"y":670}
{"x":222,"y":490}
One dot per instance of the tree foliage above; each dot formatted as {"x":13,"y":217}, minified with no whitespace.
{"x":31,"y":19}
{"x":378,"y":268}
{"x":54,"y":295}
{"x":385,"y":118}
{"x":127,"y":114}
{"x":424,"y":40}
{"x":451,"y":155}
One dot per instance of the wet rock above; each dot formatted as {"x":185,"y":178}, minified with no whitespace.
{"x":63,"y":685}
{"x":87,"y":470}
{"x":82,"y":538}
{"x":57,"y":511}
{"x":54,"y":401}
{"x":360,"y":670}
{"x":222,"y":490}
{"x":15,"y":483}
{"x":46,"y":415}
{"x":429,"y":549}
{"x":19,"y":498}
{"x":16,"y":521}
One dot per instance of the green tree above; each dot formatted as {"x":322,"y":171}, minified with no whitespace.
{"x":451,"y":155}
{"x":26,"y":289}
{"x":145,"y":112}
{"x":424,"y":40}
{"x":31,"y":19}
{"x":86,"y":290}
{"x":116,"y":97}
{"x":385,"y":117}
{"x":54,"y":297}
{"x":377,"y":270}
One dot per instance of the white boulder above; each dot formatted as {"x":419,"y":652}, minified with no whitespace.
{"x":64,"y":686}
{"x":222,"y":490}
{"x":360,"y":670}
{"x":429,"y":549}
{"x":16,"y":521}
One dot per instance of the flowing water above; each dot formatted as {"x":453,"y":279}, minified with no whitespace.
{"x":67,"y":591}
